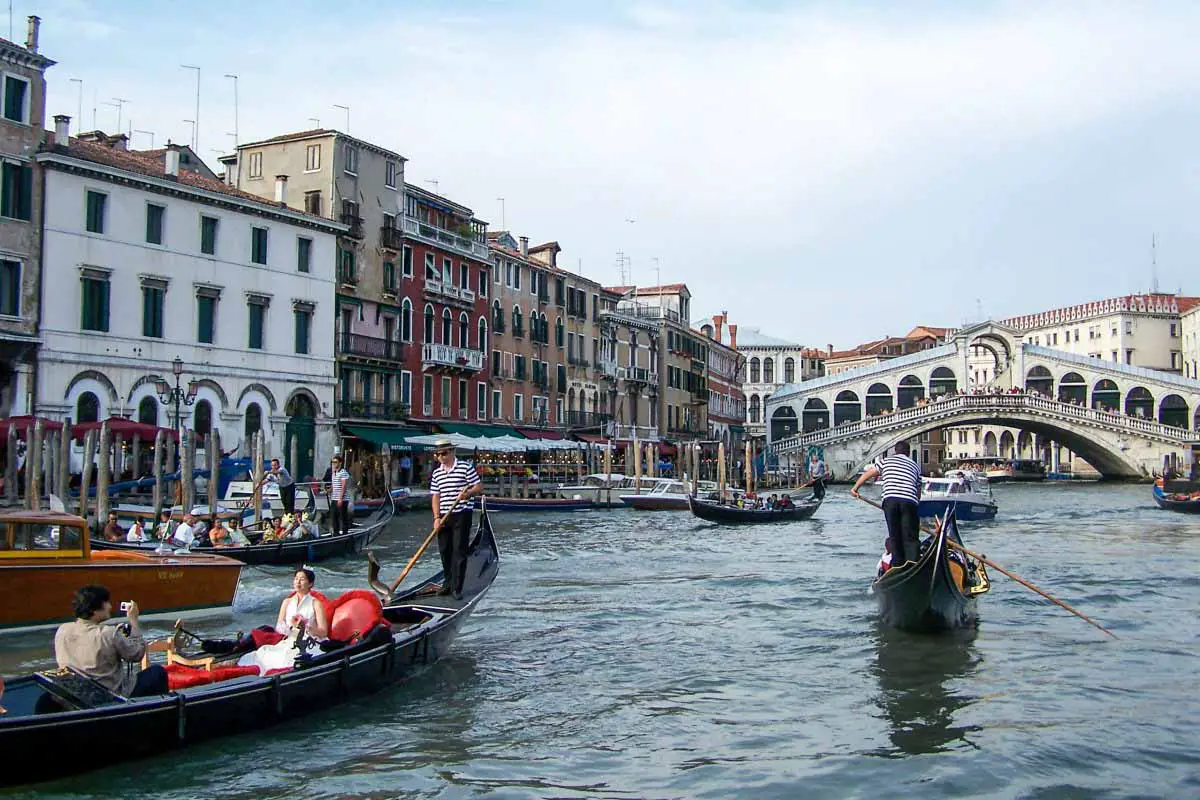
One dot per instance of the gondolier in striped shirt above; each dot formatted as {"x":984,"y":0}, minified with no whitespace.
{"x":901,"y":481}
{"x":454,"y":485}
{"x":339,"y":496}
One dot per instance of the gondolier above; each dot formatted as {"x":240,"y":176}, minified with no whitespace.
{"x":901,"y":500}
{"x":286,"y":483}
{"x":454,"y":485}
{"x":818,"y":474}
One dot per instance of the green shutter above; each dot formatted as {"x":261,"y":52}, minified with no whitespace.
{"x":25,"y":194}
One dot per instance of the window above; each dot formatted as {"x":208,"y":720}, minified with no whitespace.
{"x":406,"y":387}
{"x":464,"y":331}
{"x":16,"y":99}
{"x":258,"y":245}
{"x":94,"y":285}
{"x":16,"y":200}
{"x":789,"y":370}
{"x":558,"y":332}
{"x":481,"y":401}
{"x":518,"y":407}
{"x":254,"y":168}
{"x":463,"y":406}
{"x":303,"y":254}
{"x":312,"y":203}
{"x":154,"y":223}
{"x":351,"y":159}
{"x":206,"y":315}
{"x":431,"y":273}
{"x":427,"y":394}
{"x":447,"y":271}
{"x":389,"y":175}
{"x":389,"y":276}
{"x":464,"y":276}
{"x":483,"y":282}
{"x":406,"y":262}
{"x":96,"y":202}
{"x":10,"y":288}
{"x":347,"y":266}
{"x":312,"y":158}
{"x":153,"y":296}
{"x":148,"y":411}
{"x":445,"y":397}
{"x":496,"y":403}
{"x":516,"y":276}
{"x":1174,"y":329}
{"x":755,"y":372}
{"x":406,"y":321}
{"x":303,"y":317}
{"x":482,"y":342}
{"x":257,"y":306}
{"x":447,"y":325}
{"x":208,"y":235}
{"x":87,"y":408}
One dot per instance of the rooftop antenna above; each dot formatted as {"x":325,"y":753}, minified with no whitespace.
{"x":503,"y":223}
{"x":979,"y":309}
{"x":621,"y":266}
{"x":658,"y":280}
{"x":434,"y":183}
{"x":1154,"y":263}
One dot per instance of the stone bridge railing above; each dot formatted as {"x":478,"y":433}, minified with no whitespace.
{"x":951,"y":408}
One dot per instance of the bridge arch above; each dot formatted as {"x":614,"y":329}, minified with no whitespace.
{"x":846,"y":408}
{"x":1024,"y":445}
{"x":1139,"y":403}
{"x":910,"y":390}
{"x":990,"y":448}
{"x":942,"y":381}
{"x":1039,"y":379}
{"x":1173,"y":410}
{"x":879,"y":399}
{"x":815,"y":416}
{"x":1072,"y":388}
{"x":1106,"y":396}
{"x":1006,"y":445}
{"x":784,"y":423}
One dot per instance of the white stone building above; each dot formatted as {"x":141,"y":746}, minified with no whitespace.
{"x":144,"y":264}
{"x":770,"y":364}
{"x":1189,"y":328}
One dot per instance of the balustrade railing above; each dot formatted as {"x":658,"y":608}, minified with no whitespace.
{"x":447,"y":355}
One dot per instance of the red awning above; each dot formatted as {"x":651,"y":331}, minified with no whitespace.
{"x":591,"y":437}
{"x":667,"y":449}
{"x":537,"y":433}
{"x":126,"y":427}
{"x":23,"y":424}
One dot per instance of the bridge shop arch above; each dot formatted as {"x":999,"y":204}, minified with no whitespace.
{"x":1007,"y":446}
{"x":879,"y":399}
{"x":910,"y":390}
{"x":815,"y":416}
{"x":1072,"y":388}
{"x":1039,"y":379}
{"x":784,"y":423}
{"x":847,"y":407}
{"x":942,"y":381}
{"x":1106,"y":396}
{"x":1173,"y":410}
{"x":989,"y":445}
{"x":1139,"y":403}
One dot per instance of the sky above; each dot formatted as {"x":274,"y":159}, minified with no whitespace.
{"x":830,"y":173}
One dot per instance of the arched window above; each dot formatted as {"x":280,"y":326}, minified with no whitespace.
{"x":558,"y":332}
{"x":768,"y":370}
{"x":148,"y":411}
{"x":202,"y":421}
{"x":253,"y":420}
{"x":447,"y":325}
{"x":516,"y":320}
{"x":406,"y":320}
{"x":633,"y":345}
{"x":87,"y":409}
{"x":428,"y":325}
{"x":755,"y":370}
{"x":497,"y":316}
{"x":545,"y":329}
{"x":789,"y":370}
{"x":483,"y":339}
{"x":464,"y":330}
{"x":754,"y":408}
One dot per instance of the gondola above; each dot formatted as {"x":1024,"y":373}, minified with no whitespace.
{"x":68,"y":713}
{"x":937,"y":591}
{"x":711,"y":511}
{"x":286,"y":552}
{"x":1175,"y":501}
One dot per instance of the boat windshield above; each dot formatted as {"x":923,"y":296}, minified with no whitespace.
{"x":27,"y":536}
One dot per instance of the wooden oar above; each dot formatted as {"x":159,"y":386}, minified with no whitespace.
{"x":382,"y":589}
{"x":1002,"y":570}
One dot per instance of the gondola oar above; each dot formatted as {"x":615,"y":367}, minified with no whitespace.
{"x":1001,"y":569}
{"x":379,"y":586}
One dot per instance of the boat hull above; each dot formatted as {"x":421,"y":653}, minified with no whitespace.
{"x":537,"y":504}
{"x":729,"y":515}
{"x":1181,"y":506}
{"x":965,"y":510}
{"x":653,"y":502}
{"x":148,"y":726}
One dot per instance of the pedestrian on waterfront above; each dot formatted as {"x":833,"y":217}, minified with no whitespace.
{"x":456,"y":482}
{"x":286,"y":483}
{"x":339,"y":496}
{"x":901,"y":498}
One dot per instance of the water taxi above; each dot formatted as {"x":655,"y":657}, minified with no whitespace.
{"x":970,"y":497}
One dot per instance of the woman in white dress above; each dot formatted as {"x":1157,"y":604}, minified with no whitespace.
{"x":302,"y":605}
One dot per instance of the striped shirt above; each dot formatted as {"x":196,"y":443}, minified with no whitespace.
{"x":447,"y":483}
{"x":337,"y":485}
{"x":900,"y":477}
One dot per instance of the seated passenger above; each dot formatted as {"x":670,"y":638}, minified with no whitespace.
{"x":219,"y":535}
{"x":885,"y":561}
{"x":184,"y":535}
{"x":310,"y":526}
{"x":136,"y":533}
{"x":101,"y":651}
{"x":165,"y":526}
{"x":113,"y":532}
{"x":303,"y":606}
{"x":237,"y":538}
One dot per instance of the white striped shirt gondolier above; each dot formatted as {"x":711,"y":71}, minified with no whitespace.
{"x":337,"y":485}
{"x":900,"y":477}
{"x":447,"y":483}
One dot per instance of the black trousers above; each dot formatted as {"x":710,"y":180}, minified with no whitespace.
{"x":287,"y":496}
{"x":819,"y":488}
{"x":904,"y":525}
{"x":340,"y":510}
{"x":151,"y":680}
{"x":453,"y":538}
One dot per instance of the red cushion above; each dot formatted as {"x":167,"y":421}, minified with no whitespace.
{"x":355,"y":613}
{"x":180,"y":676}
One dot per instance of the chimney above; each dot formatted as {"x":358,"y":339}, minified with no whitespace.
{"x":281,"y":189}
{"x":717,"y":320}
{"x":62,"y":130}
{"x":524,"y":245}
{"x":172,"y":159}
{"x":829,"y":349}
{"x":733,"y":336}
{"x":118,"y":141}
{"x":31,"y":34}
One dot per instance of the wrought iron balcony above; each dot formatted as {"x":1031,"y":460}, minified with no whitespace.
{"x":445,"y":355}
{"x":444,"y":238}
{"x":356,"y":225}
{"x":362,"y":409}
{"x":391,"y":238}
{"x":355,"y":344}
{"x":586,"y":419}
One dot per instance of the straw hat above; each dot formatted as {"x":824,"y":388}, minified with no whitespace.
{"x":442,"y":444}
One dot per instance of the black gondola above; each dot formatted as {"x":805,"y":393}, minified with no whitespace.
{"x":937,"y":591}
{"x":48,"y":713}
{"x":1177,"y":500}
{"x":291,"y":551}
{"x":712,"y":511}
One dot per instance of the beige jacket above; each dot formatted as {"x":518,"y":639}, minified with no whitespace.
{"x":98,"y":651}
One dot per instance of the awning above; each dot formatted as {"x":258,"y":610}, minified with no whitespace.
{"x":395,"y":438}
{"x":22,"y":425}
{"x":127,"y":428}
{"x":592,"y":438}
{"x":475,"y":431}
{"x":537,"y":433}
{"x":667,"y":449}
{"x":737,"y":430}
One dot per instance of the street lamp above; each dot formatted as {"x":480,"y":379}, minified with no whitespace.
{"x":175,"y":394}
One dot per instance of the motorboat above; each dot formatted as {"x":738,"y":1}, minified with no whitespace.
{"x":668,"y":495}
{"x":970,"y":497}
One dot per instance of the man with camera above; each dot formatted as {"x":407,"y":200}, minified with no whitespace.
{"x":101,"y":651}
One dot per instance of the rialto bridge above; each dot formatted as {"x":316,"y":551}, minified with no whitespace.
{"x":1123,"y":420}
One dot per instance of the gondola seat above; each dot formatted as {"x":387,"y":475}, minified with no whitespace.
{"x":355,"y":614}
{"x":180,"y":676}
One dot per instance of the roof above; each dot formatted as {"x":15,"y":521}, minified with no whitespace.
{"x":754,"y":337}
{"x":31,"y":58}
{"x":436,"y":199}
{"x":142,"y":164}
{"x":48,"y":517}
{"x":317,"y":133}
{"x":1149,"y":303}
{"x":928,"y":330}
{"x":649,"y":291}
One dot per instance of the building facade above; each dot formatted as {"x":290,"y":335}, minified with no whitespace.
{"x":726,"y":400}
{"x":153,"y":264}
{"x":1189,"y":327}
{"x":771,"y":363}
{"x":22,"y":123}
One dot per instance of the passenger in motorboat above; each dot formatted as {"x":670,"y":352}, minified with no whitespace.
{"x":107,"y":653}
{"x":113,"y":532}
{"x":166,"y":526}
{"x":184,"y":535}
{"x":137,"y":533}
{"x":218,"y":534}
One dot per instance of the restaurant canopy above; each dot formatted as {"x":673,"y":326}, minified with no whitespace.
{"x":21,"y":426}
{"x":127,"y":428}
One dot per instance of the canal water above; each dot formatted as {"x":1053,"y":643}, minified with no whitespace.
{"x":632,"y":654}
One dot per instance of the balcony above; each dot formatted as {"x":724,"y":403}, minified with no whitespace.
{"x":356,"y":225}
{"x":444,"y":238}
{"x":586,"y":419}
{"x":637,"y":375}
{"x":354,"y":344}
{"x":391,"y":238}
{"x":607,"y":368}
{"x":577,"y":361}
{"x":362,"y":409}
{"x":444,"y":355}
{"x":641,"y":311}
{"x":643,"y":432}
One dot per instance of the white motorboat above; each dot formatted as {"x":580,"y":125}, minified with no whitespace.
{"x":970,"y":496}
